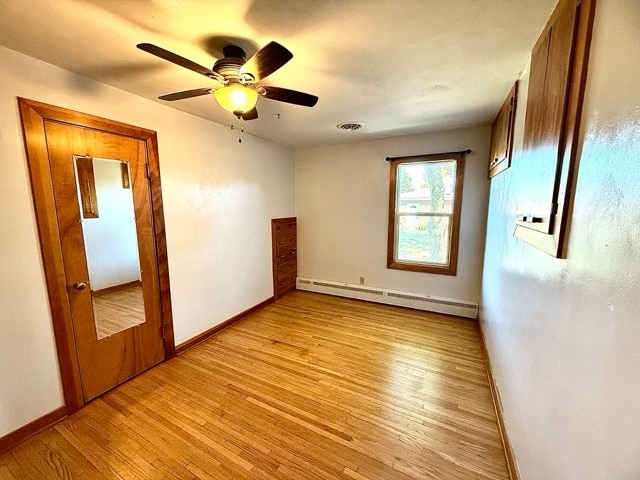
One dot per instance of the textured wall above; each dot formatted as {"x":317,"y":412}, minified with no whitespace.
{"x":564,"y":334}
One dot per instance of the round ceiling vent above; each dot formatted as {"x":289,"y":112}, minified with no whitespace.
{"x":350,"y":126}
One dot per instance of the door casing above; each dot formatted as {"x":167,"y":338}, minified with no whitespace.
{"x":34,"y":114}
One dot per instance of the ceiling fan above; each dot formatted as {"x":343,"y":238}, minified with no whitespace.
{"x":238,"y":78}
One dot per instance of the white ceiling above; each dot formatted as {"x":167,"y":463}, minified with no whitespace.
{"x":400,"y":67}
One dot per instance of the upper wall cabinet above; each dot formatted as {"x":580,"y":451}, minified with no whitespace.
{"x":502,"y":135}
{"x":554,"y":104}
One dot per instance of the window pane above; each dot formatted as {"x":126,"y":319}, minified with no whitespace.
{"x":423,"y":239}
{"x":426,"y":187}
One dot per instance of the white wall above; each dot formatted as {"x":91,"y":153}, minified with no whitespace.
{"x":111,"y":241}
{"x":564,"y":335}
{"x":218,"y":195}
{"x":342,"y":204}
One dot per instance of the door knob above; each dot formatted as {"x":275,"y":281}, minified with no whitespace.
{"x":80,"y":285}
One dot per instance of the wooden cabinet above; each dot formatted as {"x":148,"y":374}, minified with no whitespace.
{"x":554,"y":103}
{"x":502,"y":135}
{"x":284,"y":254}
{"x":549,"y":85}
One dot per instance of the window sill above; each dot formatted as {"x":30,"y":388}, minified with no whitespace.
{"x":423,"y":268}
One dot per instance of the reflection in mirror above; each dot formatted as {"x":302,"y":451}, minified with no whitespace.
{"x":111,"y":244}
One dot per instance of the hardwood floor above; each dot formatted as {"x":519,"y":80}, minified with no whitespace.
{"x":117,"y":311}
{"x":311,"y":387}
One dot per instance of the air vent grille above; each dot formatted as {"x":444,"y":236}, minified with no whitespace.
{"x":350,"y":126}
{"x":431,"y":300}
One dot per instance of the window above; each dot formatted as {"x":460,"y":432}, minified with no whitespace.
{"x":425,"y":197}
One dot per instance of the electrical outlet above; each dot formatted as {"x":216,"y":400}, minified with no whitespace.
{"x":361,"y":280}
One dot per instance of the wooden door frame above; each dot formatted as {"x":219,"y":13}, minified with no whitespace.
{"x":33,"y":115}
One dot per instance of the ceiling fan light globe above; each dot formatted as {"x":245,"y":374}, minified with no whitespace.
{"x":236,"y":98}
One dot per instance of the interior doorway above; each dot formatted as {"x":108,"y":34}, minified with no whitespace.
{"x":98,"y":201}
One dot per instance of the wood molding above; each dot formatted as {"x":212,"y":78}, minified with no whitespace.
{"x":206,"y":335}
{"x":42,"y":190}
{"x":33,"y":428}
{"x":63,"y":115}
{"x":510,"y":458}
{"x":115,"y":288}
{"x":34,"y":115}
{"x":161,"y":245}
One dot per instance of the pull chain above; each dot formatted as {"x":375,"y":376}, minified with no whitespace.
{"x":240,"y":132}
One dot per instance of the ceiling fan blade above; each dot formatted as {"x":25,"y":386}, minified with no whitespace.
{"x":250,"y":115}
{"x":180,"y":61}
{"x":266,"y":61}
{"x":288,"y":96}
{"x":186,"y":94}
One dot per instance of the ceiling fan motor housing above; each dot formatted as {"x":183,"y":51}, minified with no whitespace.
{"x":229,"y":65}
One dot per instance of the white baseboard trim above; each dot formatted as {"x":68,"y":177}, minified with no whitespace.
{"x":419,"y":301}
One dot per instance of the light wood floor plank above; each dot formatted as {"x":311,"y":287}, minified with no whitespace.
{"x":311,"y":387}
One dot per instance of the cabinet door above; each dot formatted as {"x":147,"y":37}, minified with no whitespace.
{"x":549,"y":85}
{"x":552,"y":126}
{"x":502,"y":135}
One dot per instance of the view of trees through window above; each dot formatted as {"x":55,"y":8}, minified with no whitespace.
{"x":424,"y":207}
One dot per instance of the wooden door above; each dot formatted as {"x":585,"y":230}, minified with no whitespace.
{"x":105,"y":360}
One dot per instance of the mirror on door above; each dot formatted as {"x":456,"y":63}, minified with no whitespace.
{"x":111,"y":243}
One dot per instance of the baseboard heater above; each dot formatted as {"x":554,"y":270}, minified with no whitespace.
{"x":461,"y":308}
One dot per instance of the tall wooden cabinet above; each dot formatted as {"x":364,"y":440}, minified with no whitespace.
{"x":284,"y":253}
